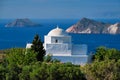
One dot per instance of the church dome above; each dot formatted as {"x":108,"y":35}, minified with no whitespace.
{"x":57,"y":32}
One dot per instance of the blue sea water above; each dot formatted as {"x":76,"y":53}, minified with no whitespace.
{"x":19,"y":37}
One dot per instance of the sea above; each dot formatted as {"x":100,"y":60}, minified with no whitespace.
{"x":18,"y":37}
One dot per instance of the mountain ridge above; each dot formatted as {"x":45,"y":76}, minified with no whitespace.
{"x":86,"y":25}
{"x":22,"y":23}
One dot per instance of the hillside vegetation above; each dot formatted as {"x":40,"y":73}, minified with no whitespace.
{"x":105,"y":66}
{"x":21,"y":65}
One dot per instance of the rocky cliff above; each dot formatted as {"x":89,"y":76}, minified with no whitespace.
{"x":86,"y":25}
{"x":22,"y":23}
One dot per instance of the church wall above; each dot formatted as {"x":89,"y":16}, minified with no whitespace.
{"x":90,"y":58}
{"x":47,"y":39}
{"x":28,"y":45}
{"x":58,"y":49}
{"x":78,"y":60}
{"x":60,"y":39}
{"x":79,"y":49}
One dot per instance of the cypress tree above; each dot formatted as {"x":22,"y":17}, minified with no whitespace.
{"x":37,"y":47}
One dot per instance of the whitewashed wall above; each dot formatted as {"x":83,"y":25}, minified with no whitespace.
{"x":79,"y":49}
{"x":58,"y":49}
{"x":47,"y":39}
{"x":78,"y":60}
{"x":61,"y":39}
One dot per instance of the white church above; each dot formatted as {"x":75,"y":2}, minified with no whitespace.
{"x":58,"y":44}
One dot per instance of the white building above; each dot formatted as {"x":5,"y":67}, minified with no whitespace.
{"x":58,"y":44}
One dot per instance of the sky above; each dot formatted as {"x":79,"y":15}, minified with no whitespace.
{"x":59,"y":9}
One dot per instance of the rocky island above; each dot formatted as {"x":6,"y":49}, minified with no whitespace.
{"x":88,"y":26}
{"x":22,"y":23}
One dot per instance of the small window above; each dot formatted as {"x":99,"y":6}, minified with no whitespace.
{"x":56,"y":41}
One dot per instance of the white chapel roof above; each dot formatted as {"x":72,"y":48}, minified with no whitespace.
{"x":57,"y":32}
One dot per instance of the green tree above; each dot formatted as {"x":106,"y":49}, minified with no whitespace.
{"x":20,"y":57}
{"x":48,"y":58}
{"x":15,"y":56}
{"x":104,"y":70}
{"x":106,"y":65}
{"x":25,"y":73}
{"x":30,"y":57}
{"x":37,"y":46}
{"x":39,"y":71}
{"x":2,"y":72}
{"x":103,"y":53}
{"x":13,"y":71}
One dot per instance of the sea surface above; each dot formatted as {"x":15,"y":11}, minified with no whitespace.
{"x":18,"y":37}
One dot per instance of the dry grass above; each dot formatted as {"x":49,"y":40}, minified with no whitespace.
{"x":2,"y":55}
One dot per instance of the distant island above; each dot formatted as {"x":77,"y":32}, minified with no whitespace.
{"x":22,"y":23}
{"x":86,"y":25}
